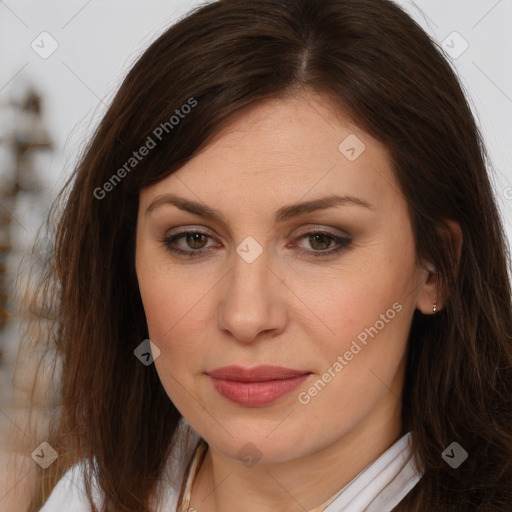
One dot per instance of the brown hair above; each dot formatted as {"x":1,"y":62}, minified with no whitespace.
{"x":384,"y":71}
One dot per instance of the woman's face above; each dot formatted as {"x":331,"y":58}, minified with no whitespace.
{"x":255,"y":286}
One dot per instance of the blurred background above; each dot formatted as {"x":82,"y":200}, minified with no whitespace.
{"x":60,"y":65}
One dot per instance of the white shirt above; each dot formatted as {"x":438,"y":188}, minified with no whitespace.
{"x":378,"y":488}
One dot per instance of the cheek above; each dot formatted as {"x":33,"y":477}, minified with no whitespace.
{"x":367,"y":331}
{"x":175,"y":306}
{"x":359,"y":357}
{"x":365,"y":319}
{"x":175,"y":319}
{"x":344,"y":306}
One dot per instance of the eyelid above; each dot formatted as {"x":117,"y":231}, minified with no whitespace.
{"x":304,"y":231}
{"x":185,"y":229}
{"x":322,"y":229}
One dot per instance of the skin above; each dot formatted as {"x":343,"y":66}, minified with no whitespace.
{"x":286,"y":308}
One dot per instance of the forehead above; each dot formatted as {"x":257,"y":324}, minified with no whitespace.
{"x":289,"y":148}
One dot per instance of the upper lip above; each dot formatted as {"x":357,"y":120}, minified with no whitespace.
{"x":256,"y":374}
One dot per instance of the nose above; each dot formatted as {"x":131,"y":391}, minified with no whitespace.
{"x":253,"y":300}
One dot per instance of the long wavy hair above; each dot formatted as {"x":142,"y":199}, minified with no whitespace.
{"x":374,"y":61}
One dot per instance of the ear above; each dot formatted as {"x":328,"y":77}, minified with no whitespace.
{"x":455,"y":238}
{"x":430,"y":294}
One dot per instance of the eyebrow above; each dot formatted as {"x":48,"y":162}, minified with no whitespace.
{"x":284,"y":213}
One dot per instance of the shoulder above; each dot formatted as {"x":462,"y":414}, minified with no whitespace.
{"x":69,"y":494}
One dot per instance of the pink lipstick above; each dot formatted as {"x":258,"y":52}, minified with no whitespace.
{"x":258,"y":386}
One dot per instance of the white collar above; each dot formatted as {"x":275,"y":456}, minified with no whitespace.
{"x":383,"y":483}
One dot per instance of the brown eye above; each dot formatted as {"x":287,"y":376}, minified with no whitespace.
{"x":194,"y":240}
{"x":324,"y":244}
{"x":195,"y":243}
{"x":320,"y":241}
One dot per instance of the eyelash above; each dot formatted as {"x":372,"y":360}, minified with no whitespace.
{"x":342,"y":242}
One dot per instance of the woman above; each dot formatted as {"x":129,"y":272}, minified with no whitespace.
{"x":282,"y":277}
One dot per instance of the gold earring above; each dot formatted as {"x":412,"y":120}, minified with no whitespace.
{"x":434,"y":308}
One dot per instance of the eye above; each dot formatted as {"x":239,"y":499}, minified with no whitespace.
{"x":196,"y":240}
{"x":323,"y":243}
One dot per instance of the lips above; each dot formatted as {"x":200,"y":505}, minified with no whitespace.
{"x":256,"y":374}
{"x":255,"y":387}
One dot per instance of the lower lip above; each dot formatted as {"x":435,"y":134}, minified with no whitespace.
{"x":255,"y":394}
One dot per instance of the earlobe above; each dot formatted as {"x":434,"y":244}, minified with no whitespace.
{"x":428,"y":300}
